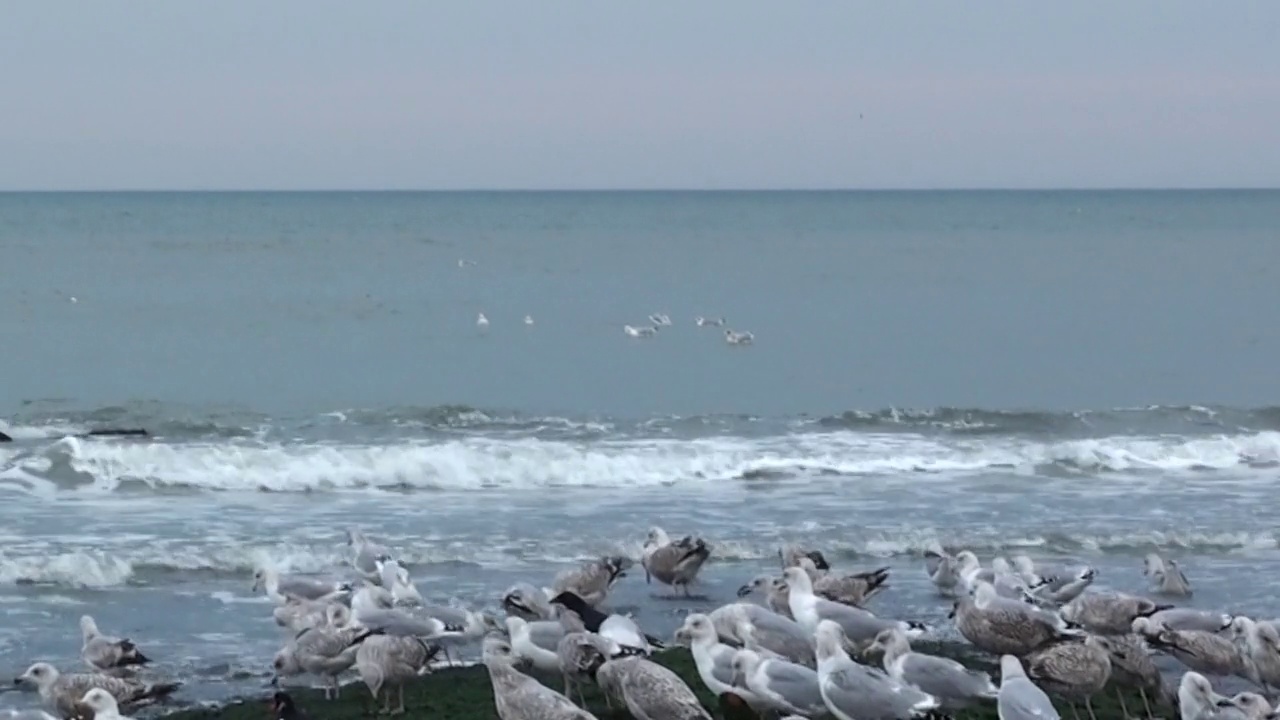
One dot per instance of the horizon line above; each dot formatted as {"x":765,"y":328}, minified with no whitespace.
{"x":549,"y":190}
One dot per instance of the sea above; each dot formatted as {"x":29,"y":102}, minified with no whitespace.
{"x":1076,"y":376}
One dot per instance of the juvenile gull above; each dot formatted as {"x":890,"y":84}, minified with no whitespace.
{"x":1200,"y":651}
{"x":673,"y":563}
{"x":101,"y":705}
{"x":609,"y":679}
{"x":1008,"y":628}
{"x":384,"y":660}
{"x":280,"y":588}
{"x":536,"y":642}
{"x":784,"y":686}
{"x":324,"y":651}
{"x":852,"y":589}
{"x":1019,"y":698}
{"x":1259,"y":644}
{"x":955,"y":685}
{"x":517,"y":696}
{"x":764,"y":631}
{"x":529,"y":602}
{"x":1073,"y":670}
{"x":775,"y":591}
{"x":1198,"y":701}
{"x":713,"y":659}
{"x":652,"y":692}
{"x":618,"y":628}
{"x":592,"y":580}
{"x":62,"y":692}
{"x":852,"y":691}
{"x":581,"y":653}
{"x":1165,"y":577}
{"x":1132,"y":667}
{"x":859,"y":625}
{"x":1109,"y":613}
{"x":104,"y":653}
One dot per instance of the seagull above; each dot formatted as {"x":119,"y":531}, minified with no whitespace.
{"x":482,"y":322}
{"x":738,"y":338}
{"x":660,"y":319}
{"x":638,"y":332}
{"x":709,"y":322}
{"x":528,"y":319}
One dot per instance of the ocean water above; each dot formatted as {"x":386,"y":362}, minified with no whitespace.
{"x":1075,"y":375}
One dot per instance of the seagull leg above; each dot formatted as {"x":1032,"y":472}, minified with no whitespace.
{"x":1124,"y":711}
{"x":1145,"y":702}
{"x":400,"y":710}
{"x":1088,"y":705}
{"x":386,"y":701}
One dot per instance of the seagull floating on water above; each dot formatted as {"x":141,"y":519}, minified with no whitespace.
{"x":482,"y":322}
{"x":709,"y":322}
{"x":642,"y":331}
{"x":528,"y":319}
{"x":738,"y":338}
{"x":660,"y":319}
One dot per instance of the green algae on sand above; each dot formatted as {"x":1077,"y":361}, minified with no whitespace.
{"x":464,"y":693}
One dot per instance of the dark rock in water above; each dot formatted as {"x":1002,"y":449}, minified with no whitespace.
{"x":118,"y":432}
{"x":5,"y":438}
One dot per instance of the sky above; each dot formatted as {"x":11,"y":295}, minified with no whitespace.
{"x":571,"y":94}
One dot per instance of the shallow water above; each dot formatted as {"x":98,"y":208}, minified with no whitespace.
{"x":310,"y":362}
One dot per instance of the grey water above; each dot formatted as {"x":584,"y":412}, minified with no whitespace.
{"x":1081,"y":375}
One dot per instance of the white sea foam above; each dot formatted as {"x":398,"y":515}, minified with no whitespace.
{"x":531,"y":463}
{"x":124,"y":563}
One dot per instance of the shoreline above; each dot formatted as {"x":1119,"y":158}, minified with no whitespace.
{"x":463,"y":692}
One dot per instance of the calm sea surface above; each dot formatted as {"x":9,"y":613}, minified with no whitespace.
{"x":1066,"y":374}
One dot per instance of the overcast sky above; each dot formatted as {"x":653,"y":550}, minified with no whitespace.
{"x":588,"y":94}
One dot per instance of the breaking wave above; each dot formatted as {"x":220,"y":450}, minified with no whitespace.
{"x":528,"y":463}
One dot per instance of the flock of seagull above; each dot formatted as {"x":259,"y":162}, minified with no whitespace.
{"x":800,"y":644}
{"x":656,"y":322}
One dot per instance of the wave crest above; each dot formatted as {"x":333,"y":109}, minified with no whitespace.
{"x":530,"y":463}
